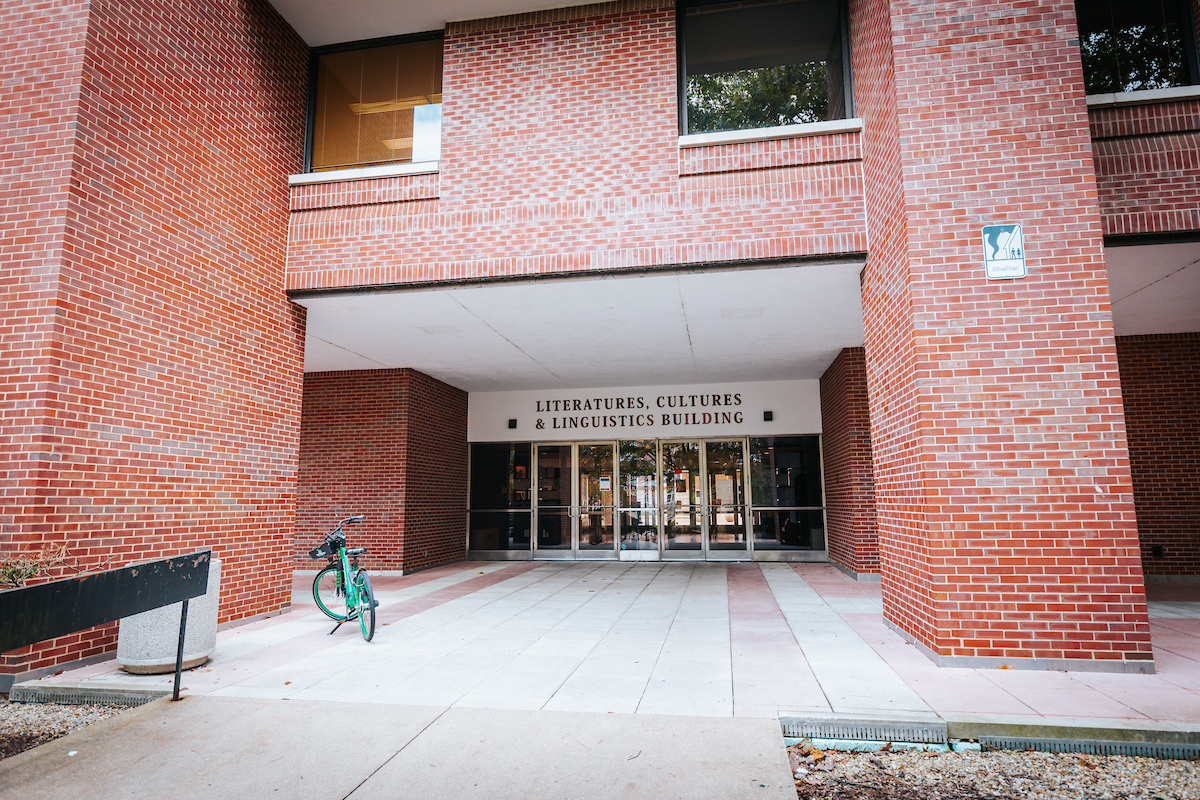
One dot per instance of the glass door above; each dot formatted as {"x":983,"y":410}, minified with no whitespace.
{"x":683,"y":512}
{"x":553,"y":516}
{"x":638,"y":500}
{"x":596,"y":511}
{"x":725,"y":484}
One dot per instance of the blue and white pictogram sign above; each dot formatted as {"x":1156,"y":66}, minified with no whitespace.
{"x":1003,"y":251}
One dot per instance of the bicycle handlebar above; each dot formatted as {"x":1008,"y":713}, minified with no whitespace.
{"x":337,"y":532}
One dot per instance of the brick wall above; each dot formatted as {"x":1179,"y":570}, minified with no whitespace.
{"x":390,"y":444}
{"x":150,"y":355}
{"x":846,"y":452}
{"x":1148,"y":167}
{"x":42,"y":49}
{"x":560,"y":153}
{"x":1160,"y":381}
{"x":435,"y":518}
{"x":1003,"y":492}
{"x":889,"y":329}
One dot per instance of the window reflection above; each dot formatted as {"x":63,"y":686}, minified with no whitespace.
{"x":786,"y":493}
{"x":379,"y":105}
{"x":762,"y":63}
{"x":1129,"y":45}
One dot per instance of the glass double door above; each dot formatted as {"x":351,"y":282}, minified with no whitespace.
{"x":703,"y":499}
{"x":642,"y":500}
{"x":574,"y":515}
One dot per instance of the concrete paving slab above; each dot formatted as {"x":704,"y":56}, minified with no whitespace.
{"x":498,"y":754}
{"x":206,"y":747}
{"x":698,"y":639}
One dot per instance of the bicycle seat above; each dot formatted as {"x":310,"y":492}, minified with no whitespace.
{"x":355,"y":551}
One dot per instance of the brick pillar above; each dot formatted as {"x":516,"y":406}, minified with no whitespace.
{"x":1003,"y":494}
{"x":390,"y":444}
{"x":150,"y":362}
{"x":846,"y":452}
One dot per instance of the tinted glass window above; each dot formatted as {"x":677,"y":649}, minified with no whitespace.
{"x":762,"y":64}
{"x":500,"y":476}
{"x":381,"y":105}
{"x":1128,"y":45}
{"x":785,"y":472}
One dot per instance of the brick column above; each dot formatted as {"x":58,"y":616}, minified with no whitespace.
{"x":846,"y":452}
{"x":1003,"y":494}
{"x":150,"y":362}
{"x":390,"y":444}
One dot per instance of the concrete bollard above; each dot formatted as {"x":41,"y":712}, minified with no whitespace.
{"x":147,"y":642}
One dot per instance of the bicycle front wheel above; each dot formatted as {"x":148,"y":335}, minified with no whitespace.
{"x":366,"y":604}
{"x":329,"y":590}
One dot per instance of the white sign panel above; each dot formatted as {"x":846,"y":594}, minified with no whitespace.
{"x":646,"y":412}
{"x":1003,"y":251}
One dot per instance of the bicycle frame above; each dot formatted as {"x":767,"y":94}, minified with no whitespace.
{"x":350,"y":583}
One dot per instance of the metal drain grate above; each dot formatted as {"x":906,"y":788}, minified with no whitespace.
{"x":71,"y":696}
{"x":1099,"y":747}
{"x":869,"y":730}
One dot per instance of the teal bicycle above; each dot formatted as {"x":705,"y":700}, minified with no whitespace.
{"x":343,"y":589}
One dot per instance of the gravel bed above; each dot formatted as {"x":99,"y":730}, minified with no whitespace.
{"x":26,"y":725}
{"x":1009,"y":774}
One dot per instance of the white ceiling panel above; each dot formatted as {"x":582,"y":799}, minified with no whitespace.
{"x":320,"y":22}
{"x":783,"y":323}
{"x":1154,"y":288}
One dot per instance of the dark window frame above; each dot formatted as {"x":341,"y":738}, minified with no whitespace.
{"x":314,"y":59}
{"x":681,"y":9}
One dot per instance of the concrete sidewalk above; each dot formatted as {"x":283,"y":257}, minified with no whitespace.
{"x":608,"y":646}
{"x":209,"y":747}
{"x":737,"y":640}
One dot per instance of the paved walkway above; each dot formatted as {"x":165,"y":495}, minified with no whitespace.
{"x":740,"y":640}
{"x":495,"y":680}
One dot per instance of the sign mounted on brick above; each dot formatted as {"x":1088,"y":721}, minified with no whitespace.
{"x":1003,"y":252}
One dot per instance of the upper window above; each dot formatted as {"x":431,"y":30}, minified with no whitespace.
{"x":1131,"y":45}
{"x":762,"y":63}
{"x":377,"y":105}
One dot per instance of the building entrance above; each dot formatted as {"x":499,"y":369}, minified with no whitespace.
{"x":648,"y":500}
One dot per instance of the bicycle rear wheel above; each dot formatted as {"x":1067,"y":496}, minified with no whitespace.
{"x":366,"y":604}
{"x":329,"y":590}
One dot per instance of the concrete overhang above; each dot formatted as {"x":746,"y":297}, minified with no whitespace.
{"x":784,"y":322}
{"x":320,"y":22}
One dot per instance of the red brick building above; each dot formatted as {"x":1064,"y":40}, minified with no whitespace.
{"x":910,"y":288}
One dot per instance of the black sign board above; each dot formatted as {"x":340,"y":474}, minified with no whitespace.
{"x":47,"y":610}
